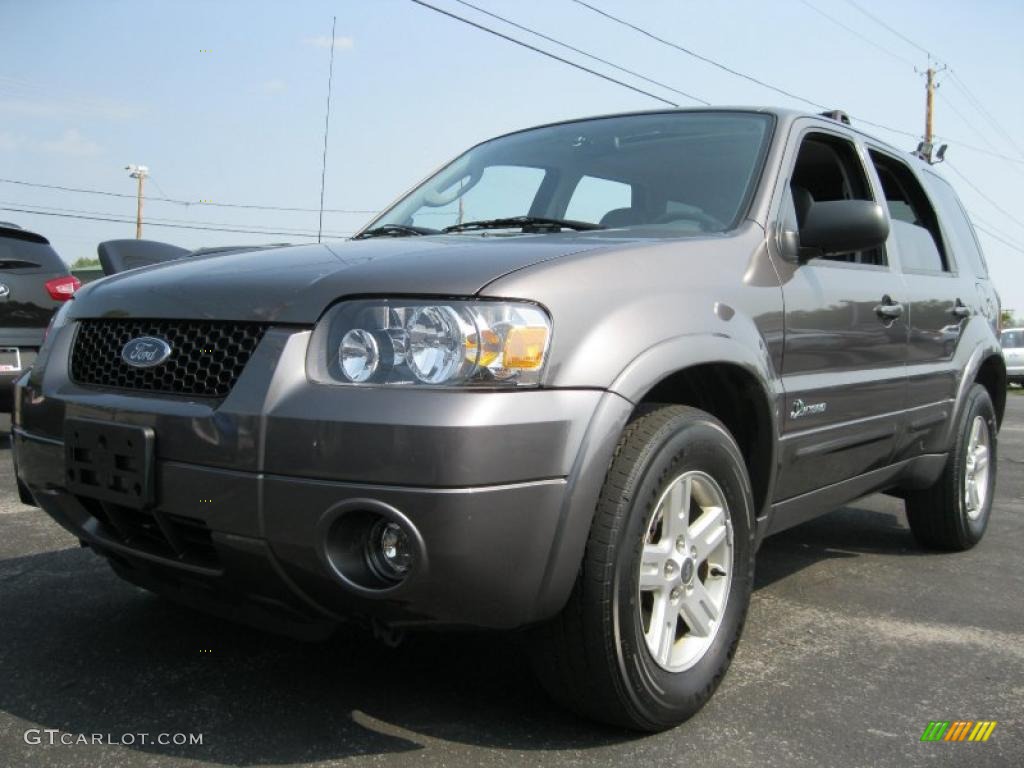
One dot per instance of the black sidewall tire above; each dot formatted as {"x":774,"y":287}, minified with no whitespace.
{"x":663,"y":697}
{"x":980,"y":405}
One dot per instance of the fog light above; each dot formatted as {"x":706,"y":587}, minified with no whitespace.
{"x":390,"y":552}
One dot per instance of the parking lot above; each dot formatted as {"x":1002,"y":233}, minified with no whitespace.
{"x":856,"y":640}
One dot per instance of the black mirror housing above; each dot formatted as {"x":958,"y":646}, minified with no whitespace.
{"x":842,"y":226}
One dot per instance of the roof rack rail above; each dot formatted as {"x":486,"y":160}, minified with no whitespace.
{"x":838,"y":115}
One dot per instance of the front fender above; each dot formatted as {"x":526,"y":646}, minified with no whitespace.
{"x":686,"y":351}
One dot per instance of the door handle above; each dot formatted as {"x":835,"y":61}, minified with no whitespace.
{"x":889,"y":309}
{"x":960,"y":310}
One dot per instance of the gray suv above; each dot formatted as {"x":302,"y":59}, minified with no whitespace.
{"x":565,"y":385}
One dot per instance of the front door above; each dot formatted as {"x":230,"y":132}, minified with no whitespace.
{"x":845,"y":336}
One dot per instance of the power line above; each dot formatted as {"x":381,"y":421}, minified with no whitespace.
{"x":158,"y":187}
{"x":994,"y":236}
{"x":698,"y":56}
{"x":542,"y":52}
{"x":172,"y":226}
{"x":585,"y":53}
{"x":962,"y":87}
{"x":854,"y":32}
{"x":974,"y":148}
{"x":730,"y":70}
{"x":893,"y":30}
{"x":968,"y":123}
{"x":156,"y":220}
{"x":980,"y":135}
{"x":975,"y":219}
{"x":955,"y":79}
{"x":180,"y":202}
{"x":985,"y":197}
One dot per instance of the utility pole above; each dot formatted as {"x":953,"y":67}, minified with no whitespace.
{"x":139,"y":172}
{"x":924,"y":149}
{"x":929,"y":106}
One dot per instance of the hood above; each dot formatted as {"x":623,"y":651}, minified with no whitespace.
{"x":296,"y":284}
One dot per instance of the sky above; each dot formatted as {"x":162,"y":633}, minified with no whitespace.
{"x":224,"y":101}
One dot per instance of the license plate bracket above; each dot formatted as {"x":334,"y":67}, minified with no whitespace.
{"x":110,"y":462}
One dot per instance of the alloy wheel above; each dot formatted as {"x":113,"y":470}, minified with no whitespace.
{"x":685,"y":571}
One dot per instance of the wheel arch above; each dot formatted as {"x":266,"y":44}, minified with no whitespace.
{"x":991,"y":374}
{"x":726,"y":378}
{"x":734,"y":396}
{"x":699,"y":360}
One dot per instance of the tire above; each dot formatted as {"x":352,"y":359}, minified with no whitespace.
{"x":595,"y":657}
{"x":947,"y":516}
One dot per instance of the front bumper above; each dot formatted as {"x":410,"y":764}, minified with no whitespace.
{"x":500,"y":488}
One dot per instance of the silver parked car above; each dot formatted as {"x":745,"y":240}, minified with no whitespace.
{"x":1012,"y":340}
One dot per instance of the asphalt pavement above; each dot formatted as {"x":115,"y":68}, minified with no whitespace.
{"x":856,"y":640}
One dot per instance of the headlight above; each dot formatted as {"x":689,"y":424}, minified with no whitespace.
{"x":438,"y":344}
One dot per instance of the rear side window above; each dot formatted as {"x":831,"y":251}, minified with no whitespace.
{"x":829,"y":168}
{"x":18,"y":255}
{"x":958,"y":229}
{"x":915,"y":225}
{"x":1012,"y":339}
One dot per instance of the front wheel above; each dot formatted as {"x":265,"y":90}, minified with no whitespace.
{"x":657,"y":610}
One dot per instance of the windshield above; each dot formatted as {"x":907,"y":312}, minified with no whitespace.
{"x":672,"y":172}
{"x":1013,"y":339}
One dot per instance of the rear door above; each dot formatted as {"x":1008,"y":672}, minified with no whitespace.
{"x":940,"y":301}
{"x":845,"y":333}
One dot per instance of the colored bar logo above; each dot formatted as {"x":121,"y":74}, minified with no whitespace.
{"x":958,"y":730}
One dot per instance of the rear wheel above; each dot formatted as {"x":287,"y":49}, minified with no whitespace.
{"x":659,"y":604}
{"x":953,"y":514}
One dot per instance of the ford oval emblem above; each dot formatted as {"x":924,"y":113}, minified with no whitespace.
{"x":145,"y":351}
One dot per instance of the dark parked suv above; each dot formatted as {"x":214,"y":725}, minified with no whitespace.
{"x":567,"y":384}
{"x":34,"y":281}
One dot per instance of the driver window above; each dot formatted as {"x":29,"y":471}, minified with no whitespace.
{"x":828,"y":168}
{"x":501,"y":190}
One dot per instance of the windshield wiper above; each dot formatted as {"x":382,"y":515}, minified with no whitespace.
{"x":395,"y":230}
{"x":526,"y":222}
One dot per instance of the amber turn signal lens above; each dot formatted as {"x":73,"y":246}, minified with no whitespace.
{"x":524,"y":347}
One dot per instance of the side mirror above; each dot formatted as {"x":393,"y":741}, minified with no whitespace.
{"x":842,"y":226}
{"x":120,"y":255}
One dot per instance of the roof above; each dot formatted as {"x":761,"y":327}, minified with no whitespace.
{"x":7,"y":229}
{"x":784,"y":114}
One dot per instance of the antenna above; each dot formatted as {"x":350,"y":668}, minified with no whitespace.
{"x":327,"y":127}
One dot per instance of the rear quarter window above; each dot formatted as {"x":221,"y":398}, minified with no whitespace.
{"x":955,"y":225}
{"x":23,"y":256}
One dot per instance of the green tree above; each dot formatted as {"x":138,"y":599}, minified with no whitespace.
{"x":85,"y":263}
